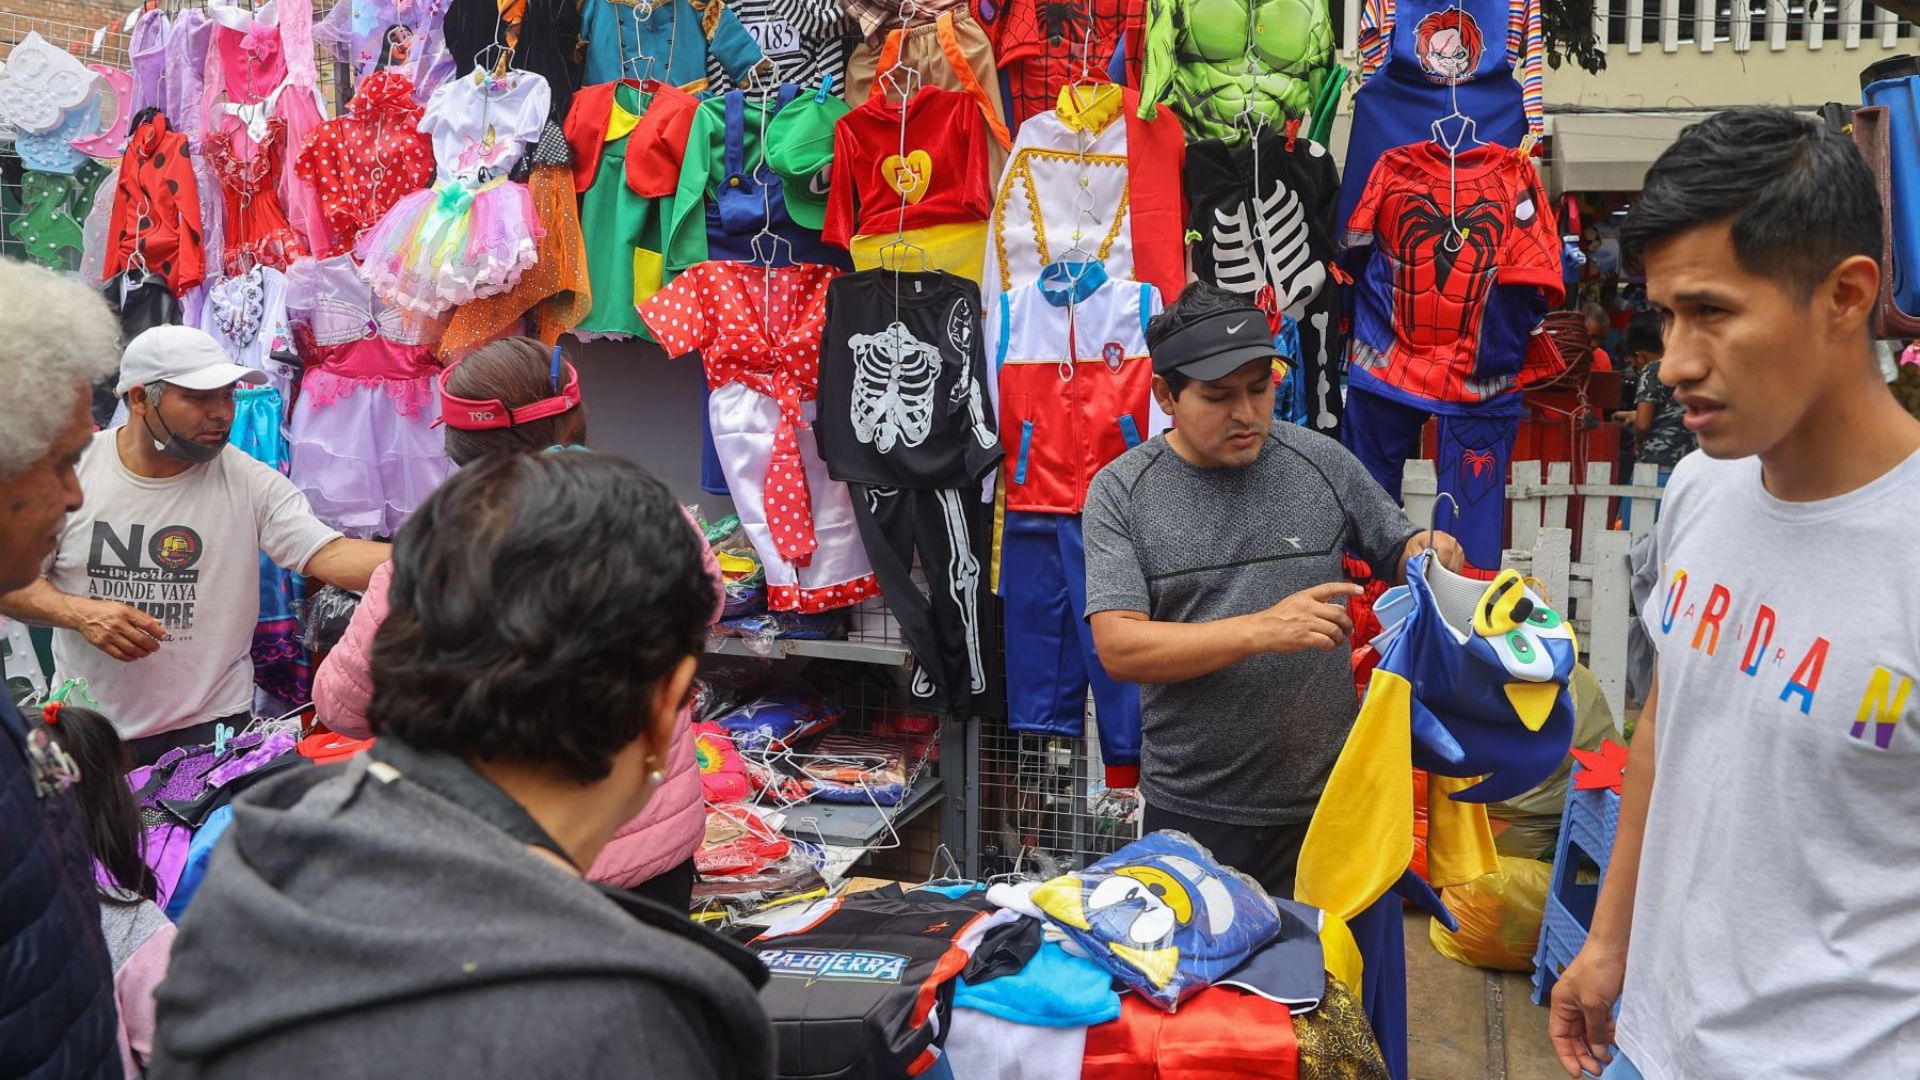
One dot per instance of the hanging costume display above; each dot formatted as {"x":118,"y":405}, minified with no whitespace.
{"x":280,"y":662}
{"x":1133,"y":225}
{"x":543,"y":34}
{"x":677,"y":36}
{"x":247,"y":315}
{"x":804,"y":40}
{"x":951,"y":52}
{"x":474,"y":232}
{"x":156,"y":208}
{"x":364,"y":162}
{"x":1461,"y":263}
{"x":726,"y":176}
{"x":258,"y":107}
{"x":1041,"y":47}
{"x":627,"y":140}
{"x":364,"y":451}
{"x":1196,"y":59}
{"x":904,"y":422}
{"x":1073,"y":389}
{"x":928,"y":186}
{"x":1261,"y":218}
{"x":1421,"y":58}
{"x":758,"y":332}
{"x":554,"y":294}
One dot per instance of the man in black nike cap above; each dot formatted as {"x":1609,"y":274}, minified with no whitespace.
{"x":1215,"y":581}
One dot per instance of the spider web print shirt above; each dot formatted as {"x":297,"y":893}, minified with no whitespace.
{"x":903,"y":399}
{"x":1461,"y":274}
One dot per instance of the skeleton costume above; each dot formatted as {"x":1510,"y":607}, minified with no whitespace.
{"x":1263,"y":215}
{"x":758,"y":333}
{"x":905,"y":420}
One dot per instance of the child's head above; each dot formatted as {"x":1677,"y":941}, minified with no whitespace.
{"x":107,"y":807}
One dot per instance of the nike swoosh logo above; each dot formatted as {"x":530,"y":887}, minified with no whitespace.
{"x":1235,"y":328}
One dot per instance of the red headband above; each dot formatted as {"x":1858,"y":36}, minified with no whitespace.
{"x":465,"y":414}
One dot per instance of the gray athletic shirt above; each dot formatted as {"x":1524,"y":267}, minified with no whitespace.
{"x":1251,"y":744}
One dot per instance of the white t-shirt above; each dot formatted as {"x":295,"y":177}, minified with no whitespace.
{"x":1776,"y":929}
{"x":186,"y":550}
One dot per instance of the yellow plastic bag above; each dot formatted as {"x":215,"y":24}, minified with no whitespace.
{"x":1499,"y":917}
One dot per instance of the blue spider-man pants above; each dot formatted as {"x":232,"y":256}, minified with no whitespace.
{"x":1471,"y":460}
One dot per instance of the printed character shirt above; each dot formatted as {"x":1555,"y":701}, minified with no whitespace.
{"x":1457,"y":280}
{"x":362,"y":163}
{"x":941,"y":180}
{"x":902,"y":385}
{"x":1775,"y":925}
{"x":185,"y":550}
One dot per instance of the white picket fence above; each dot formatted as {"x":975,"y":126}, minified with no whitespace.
{"x":1591,"y":587}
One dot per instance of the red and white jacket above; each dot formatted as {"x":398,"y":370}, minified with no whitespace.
{"x":1062,"y":421}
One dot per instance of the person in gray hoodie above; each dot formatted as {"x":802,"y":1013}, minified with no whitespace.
{"x":420,"y":911}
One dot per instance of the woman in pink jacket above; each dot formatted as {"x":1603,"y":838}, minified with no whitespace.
{"x":517,"y":396}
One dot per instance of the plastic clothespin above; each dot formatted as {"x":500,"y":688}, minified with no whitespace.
{"x":221,"y":733}
{"x":1293,"y":134}
{"x":826,"y":87}
{"x":1526,"y":146}
{"x":558,"y":354}
{"x":1339,"y":273}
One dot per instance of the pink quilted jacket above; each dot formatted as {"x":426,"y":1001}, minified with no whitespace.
{"x":663,"y":836}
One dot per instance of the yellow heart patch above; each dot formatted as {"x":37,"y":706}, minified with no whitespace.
{"x":908,"y":176}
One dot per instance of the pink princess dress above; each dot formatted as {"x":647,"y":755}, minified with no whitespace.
{"x":363,"y":446}
{"x":474,"y":232}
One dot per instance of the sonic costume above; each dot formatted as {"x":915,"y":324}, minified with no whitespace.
{"x":1471,"y":687}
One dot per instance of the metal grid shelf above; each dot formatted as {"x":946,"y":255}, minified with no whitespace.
{"x":859,"y":825}
{"x":859,"y":652}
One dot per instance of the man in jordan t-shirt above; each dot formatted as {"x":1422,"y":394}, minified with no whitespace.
{"x":155,"y":588}
{"x":1760,"y":916}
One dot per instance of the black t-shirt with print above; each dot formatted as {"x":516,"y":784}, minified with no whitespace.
{"x":903,"y":400}
{"x":1264,"y":216}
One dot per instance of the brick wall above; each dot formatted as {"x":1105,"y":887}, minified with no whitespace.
{"x":68,"y":24}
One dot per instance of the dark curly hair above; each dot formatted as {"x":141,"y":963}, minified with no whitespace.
{"x":536,"y":601}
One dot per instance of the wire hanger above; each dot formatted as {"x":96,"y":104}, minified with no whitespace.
{"x":775,"y":243}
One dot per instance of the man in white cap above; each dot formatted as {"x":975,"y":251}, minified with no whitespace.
{"x":154,"y":590}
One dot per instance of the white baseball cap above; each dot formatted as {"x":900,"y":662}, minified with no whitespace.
{"x":181,"y":356}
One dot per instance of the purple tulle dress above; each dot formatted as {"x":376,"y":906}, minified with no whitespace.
{"x":363,"y":447}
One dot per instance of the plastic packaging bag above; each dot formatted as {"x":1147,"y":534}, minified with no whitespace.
{"x":1499,"y":917}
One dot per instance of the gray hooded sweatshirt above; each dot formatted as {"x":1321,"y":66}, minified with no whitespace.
{"x":385,"y":918}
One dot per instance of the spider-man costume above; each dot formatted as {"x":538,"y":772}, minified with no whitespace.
{"x":1459,"y":260}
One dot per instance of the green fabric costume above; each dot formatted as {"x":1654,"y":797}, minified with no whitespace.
{"x":623,"y":229}
{"x":1196,"y":60}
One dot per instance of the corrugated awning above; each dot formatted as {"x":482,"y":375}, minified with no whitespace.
{"x":1609,"y":151}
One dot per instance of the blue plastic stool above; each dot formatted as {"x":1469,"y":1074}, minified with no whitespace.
{"x":1587,"y":826}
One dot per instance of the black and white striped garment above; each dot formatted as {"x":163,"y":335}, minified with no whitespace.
{"x":805,"y":39}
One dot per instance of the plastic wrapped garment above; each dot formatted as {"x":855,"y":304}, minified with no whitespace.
{"x":779,"y":720}
{"x":859,"y":770}
{"x":723,"y":776}
{"x":738,"y":841}
{"x":1162,"y":916}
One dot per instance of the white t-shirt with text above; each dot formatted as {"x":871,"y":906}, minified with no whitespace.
{"x":1776,"y":927}
{"x":185,"y":550}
